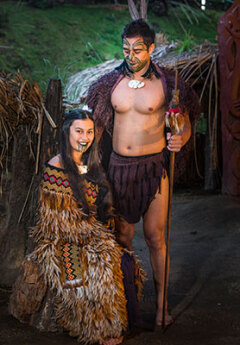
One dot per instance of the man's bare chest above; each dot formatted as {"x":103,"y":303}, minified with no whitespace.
{"x":147,"y":99}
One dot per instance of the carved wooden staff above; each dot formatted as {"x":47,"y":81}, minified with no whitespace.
{"x":175,"y":126}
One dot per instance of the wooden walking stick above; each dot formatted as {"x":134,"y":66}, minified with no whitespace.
{"x":172,"y":122}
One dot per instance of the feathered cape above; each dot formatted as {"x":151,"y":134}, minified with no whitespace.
{"x":87,"y":300}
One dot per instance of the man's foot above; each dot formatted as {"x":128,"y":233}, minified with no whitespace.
{"x":113,"y":341}
{"x":168,"y":320}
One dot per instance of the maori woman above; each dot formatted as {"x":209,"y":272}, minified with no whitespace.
{"x":77,"y":278}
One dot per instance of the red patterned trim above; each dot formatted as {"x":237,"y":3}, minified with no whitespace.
{"x":55,"y":180}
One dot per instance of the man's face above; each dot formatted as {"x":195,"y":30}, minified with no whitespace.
{"x":136,"y":53}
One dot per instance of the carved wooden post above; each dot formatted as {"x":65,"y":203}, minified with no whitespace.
{"x":51,"y":136}
{"x":229,"y":64}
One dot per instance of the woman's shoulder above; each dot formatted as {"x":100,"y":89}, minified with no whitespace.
{"x":56,"y":162}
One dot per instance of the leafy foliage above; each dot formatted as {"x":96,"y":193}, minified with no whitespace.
{"x":60,"y":41}
{"x":189,"y":43}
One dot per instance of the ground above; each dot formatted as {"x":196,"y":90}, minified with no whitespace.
{"x":204,"y":288}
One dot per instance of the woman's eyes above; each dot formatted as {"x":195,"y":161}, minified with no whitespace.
{"x":81,"y":132}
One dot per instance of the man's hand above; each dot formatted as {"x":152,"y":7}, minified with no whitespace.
{"x":175,"y":142}
{"x":180,"y":123}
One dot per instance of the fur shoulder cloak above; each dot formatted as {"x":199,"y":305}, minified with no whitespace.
{"x":73,"y":278}
{"x":99,"y":96}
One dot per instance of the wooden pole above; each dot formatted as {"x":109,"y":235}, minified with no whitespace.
{"x":174,"y":127}
{"x":171,"y":179}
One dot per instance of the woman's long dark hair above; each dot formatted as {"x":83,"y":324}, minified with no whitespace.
{"x":90,"y":158}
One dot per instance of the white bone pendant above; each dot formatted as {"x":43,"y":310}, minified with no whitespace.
{"x":136,"y":84}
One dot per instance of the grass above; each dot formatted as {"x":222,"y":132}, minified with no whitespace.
{"x":58,"y":42}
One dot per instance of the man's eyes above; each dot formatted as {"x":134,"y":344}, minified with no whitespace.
{"x":137,"y":51}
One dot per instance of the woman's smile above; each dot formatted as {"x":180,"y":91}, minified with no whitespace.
{"x":81,"y":135}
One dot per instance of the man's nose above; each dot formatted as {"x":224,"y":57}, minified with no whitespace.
{"x":131,"y":55}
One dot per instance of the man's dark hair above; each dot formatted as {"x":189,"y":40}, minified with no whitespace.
{"x":139,"y":28}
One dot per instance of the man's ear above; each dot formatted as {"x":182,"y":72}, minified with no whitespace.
{"x":151,"y":48}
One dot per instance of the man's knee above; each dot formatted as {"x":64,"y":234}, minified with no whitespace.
{"x":155,"y":239}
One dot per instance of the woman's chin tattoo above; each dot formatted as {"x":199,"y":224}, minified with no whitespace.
{"x":82,"y":147}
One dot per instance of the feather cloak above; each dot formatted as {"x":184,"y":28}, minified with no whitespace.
{"x":73,"y":278}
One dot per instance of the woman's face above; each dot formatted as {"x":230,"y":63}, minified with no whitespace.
{"x":81,"y":135}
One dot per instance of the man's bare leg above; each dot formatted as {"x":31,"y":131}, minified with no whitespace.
{"x":154,"y":228}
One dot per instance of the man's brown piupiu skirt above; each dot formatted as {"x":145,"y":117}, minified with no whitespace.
{"x":135,"y":181}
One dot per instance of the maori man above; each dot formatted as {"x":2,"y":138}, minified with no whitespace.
{"x":129,"y":106}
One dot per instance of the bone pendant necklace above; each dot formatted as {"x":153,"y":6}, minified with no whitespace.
{"x":82,"y":169}
{"x":136,"y":84}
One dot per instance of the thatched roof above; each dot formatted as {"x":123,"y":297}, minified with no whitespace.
{"x":21,"y":104}
{"x":19,"y":101}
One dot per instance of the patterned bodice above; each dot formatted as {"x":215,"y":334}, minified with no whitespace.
{"x":55,"y":179}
